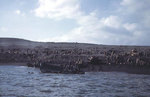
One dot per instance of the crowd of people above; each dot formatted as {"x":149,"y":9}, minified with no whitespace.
{"x":134,"y":58}
{"x":67,"y":55}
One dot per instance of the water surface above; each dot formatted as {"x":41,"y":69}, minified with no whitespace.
{"x":22,"y":81}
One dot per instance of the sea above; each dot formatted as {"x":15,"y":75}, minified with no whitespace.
{"x":22,"y":81}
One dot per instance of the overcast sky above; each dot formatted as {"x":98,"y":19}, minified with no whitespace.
{"x":116,"y":22}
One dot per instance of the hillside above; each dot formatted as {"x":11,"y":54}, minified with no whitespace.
{"x":9,"y":42}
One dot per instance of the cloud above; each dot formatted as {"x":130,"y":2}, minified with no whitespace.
{"x":130,"y":27}
{"x":18,"y":12}
{"x":112,"y":29}
{"x":139,"y":12}
{"x":3,"y":29}
{"x":112,"y":21}
{"x":57,"y":9}
{"x":135,"y":5}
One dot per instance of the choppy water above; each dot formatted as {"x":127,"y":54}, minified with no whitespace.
{"x":21,"y":81}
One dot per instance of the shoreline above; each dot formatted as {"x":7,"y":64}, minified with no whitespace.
{"x":129,"y":70}
{"x":13,"y":64}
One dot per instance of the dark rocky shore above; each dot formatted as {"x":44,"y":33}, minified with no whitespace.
{"x":75,"y":58}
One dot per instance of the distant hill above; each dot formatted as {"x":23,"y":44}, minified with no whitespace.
{"x":15,"y":42}
{"x":22,"y":43}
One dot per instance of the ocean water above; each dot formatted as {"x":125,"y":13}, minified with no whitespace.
{"x":22,"y":81}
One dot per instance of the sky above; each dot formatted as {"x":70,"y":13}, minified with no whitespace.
{"x":110,"y":22}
